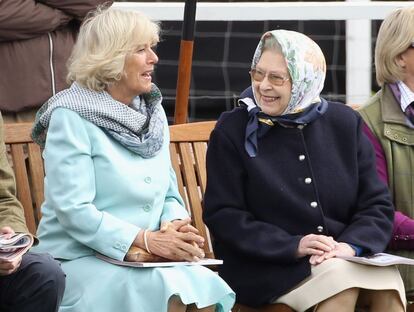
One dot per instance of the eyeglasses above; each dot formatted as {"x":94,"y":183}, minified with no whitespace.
{"x":274,"y":79}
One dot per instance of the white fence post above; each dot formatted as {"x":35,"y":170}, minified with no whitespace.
{"x":358,"y":59}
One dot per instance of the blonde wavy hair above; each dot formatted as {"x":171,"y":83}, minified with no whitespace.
{"x":106,"y":38}
{"x":395,"y":36}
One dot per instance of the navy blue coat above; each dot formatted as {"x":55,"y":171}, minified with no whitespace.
{"x":319,"y":179}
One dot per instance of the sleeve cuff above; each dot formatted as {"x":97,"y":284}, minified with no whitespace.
{"x":358,"y":250}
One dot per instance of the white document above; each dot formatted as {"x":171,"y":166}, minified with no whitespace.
{"x":381,"y":259}
{"x":159,"y":264}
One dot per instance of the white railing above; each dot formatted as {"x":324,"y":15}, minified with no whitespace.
{"x":253,"y":11}
{"x":357,"y":13}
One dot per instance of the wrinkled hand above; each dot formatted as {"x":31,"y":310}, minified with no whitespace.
{"x":313,"y":244}
{"x":171,"y":243}
{"x":183,"y":226}
{"x":9,"y":267}
{"x":341,"y":250}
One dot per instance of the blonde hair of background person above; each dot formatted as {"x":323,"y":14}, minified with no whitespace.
{"x":110,"y":184}
{"x":393,"y":39}
{"x":389,"y":124}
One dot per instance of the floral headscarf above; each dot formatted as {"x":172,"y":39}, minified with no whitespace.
{"x":306,"y":65}
{"x":307,"y":69}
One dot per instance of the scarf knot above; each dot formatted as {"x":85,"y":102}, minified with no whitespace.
{"x":259,"y":123}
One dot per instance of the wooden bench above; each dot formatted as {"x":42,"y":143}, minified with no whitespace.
{"x":188,"y":147}
{"x":26,"y":160}
{"x":188,"y":153}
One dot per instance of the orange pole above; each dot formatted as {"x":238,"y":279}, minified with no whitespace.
{"x":185,"y":62}
{"x":183,"y":82}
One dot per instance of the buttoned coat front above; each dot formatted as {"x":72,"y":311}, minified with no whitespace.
{"x":98,"y":193}
{"x":319,"y":178}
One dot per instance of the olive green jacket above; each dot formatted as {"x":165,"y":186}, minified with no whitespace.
{"x":11,"y":211}
{"x":384,"y":117}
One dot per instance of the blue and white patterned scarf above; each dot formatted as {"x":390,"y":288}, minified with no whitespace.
{"x":139,"y":127}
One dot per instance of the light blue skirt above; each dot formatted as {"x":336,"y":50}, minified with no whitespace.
{"x":95,"y":285}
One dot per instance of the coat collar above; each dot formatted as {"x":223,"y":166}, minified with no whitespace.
{"x":390,"y":108}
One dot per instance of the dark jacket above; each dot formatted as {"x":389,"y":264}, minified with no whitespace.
{"x":319,"y":179}
{"x":36,"y":39}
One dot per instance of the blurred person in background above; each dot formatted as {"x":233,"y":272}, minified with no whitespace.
{"x":33,"y":281}
{"x":36,"y":39}
{"x":389,"y":124}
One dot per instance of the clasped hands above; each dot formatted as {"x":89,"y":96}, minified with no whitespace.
{"x":322,"y":247}
{"x":8,"y":267}
{"x":177,"y":240}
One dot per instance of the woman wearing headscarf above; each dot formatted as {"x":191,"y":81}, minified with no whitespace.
{"x":389,"y":119}
{"x":110,"y":187}
{"x":292,"y":187}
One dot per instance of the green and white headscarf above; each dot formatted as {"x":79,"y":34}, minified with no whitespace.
{"x":306,"y":65}
{"x":307,"y":69}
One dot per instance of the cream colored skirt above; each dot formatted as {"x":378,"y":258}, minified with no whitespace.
{"x":335,"y":275}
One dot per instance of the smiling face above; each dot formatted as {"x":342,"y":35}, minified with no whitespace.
{"x":272,"y":99}
{"x":136,"y":78}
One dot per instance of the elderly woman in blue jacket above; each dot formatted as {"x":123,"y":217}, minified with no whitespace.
{"x":292,"y":188}
{"x":109,"y":183}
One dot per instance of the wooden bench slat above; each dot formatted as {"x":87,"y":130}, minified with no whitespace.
{"x":22,"y":184}
{"x":193,"y":190}
{"x":37,"y":174}
{"x":175,"y":162}
{"x":17,"y":132}
{"x":200,"y":150}
{"x":192,"y":132}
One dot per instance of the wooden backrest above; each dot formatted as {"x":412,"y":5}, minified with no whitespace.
{"x":188,"y":156}
{"x":188,"y":153}
{"x":26,"y":159}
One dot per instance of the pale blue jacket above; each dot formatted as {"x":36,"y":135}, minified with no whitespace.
{"x":98,"y":194}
